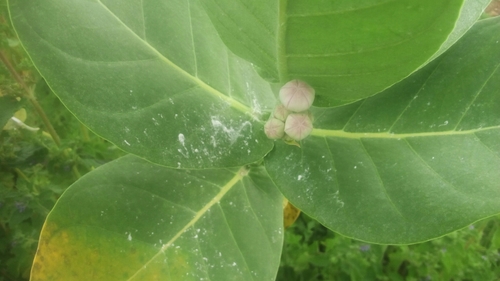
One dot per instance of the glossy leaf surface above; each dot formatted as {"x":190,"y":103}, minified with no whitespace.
{"x":415,"y":162}
{"x":346,"y":50}
{"x":132,"y":220}
{"x":153,"y":78}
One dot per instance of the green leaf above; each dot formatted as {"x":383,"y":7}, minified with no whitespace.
{"x":152,"y":77}
{"x":8,"y":106}
{"x":132,"y":220}
{"x":415,"y":162}
{"x":346,"y":50}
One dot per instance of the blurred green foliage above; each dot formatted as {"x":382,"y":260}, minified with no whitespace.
{"x":34,"y":172}
{"x":312,"y":252}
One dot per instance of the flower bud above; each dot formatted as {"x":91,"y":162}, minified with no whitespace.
{"x":274,"y":128}
{"x":298,"y":126}
{"x":280,"y":112}
{"x":297,"y":95}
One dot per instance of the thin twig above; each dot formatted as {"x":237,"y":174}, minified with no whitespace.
{"x":31,"y":97}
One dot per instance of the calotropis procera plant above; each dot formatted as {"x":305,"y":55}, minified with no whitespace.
{"x":290,"y":119}
{"x":405,"y":145}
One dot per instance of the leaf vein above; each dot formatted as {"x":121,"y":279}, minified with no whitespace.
{"x":143,"y":21}
{"x":205,"y":262}
{"x":253,"y":210}
{"x":234,"y":239}
{"x":168,"y":201}
{"x":432,"y":169}
{"x":381,"y":182}
{"x":476,"y":96}
{"x":333,"y":164}
{"x":192,"y":38}
{"x":230,"y":184}
{"x":354,"y":114}
{"x":268,"y":31}
{"x":243,"y":108}
{"x":416,"y":95}
{"x":253,"y":42}
{"x":486,"y":146}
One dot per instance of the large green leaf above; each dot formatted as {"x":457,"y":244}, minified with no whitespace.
{"x":152,"y":77}
{"x":132,"y":220}
{"x":415,"y":162}
{"x":345,"y":49}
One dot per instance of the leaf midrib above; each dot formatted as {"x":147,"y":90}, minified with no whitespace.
{"x":237,"y":177}
{"x":388,"y":135}
{"x":232,"y":102}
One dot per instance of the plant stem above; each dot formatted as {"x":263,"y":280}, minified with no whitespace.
{"x":76,"y":173}
{"x":20,"y":173}
{"x":31,"y":97}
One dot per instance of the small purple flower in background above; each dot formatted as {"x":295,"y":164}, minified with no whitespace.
{"x":20,"y":206}
{"x":67,"y":168}
{"x":364,"y":248}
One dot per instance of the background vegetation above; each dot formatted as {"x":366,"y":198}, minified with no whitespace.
{"x":35,"y":168}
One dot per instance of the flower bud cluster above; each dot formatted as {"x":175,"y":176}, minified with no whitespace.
{"x":292,"y":117}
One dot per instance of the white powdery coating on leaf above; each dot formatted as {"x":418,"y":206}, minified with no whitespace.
{"x":298,"y":126}
{"x":233,"y":133}
{"x":297,"y":95}
{"x":182,"y":139}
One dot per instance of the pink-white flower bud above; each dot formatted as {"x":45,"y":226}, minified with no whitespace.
{"x":297,"y":95}
{"x":298,"y":126}
{"x":274,"y":128}
{"x":280,"y":112}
